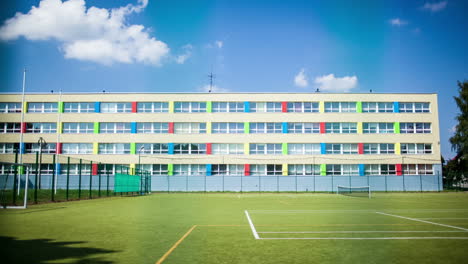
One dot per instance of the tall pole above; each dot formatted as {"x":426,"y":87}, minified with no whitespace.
{"x":59,"y":116}
{"x":21,"y":129}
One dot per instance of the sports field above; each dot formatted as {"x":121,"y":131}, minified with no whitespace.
{"x":241,"y":228}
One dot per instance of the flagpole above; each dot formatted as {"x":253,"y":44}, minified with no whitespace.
{"x":21,"y":147}
{"x":57,"y":162}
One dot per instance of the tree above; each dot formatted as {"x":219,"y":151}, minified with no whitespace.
{"x":459,"y":141}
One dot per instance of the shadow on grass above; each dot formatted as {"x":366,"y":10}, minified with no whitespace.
{"x":40,"y":251}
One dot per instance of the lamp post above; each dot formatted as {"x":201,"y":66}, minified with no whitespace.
{"x":42,"y":144}
{"x":139,"y":167}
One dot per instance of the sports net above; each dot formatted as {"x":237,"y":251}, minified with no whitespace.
{"x":362,"y":191}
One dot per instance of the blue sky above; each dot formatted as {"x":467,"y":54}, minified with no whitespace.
{"x":251,"y":46}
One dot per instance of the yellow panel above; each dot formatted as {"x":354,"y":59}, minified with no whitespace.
{"x":321,"y":107}
{"x":397,"y":148}
{"x":285,"y":169}
{"x":208,"y":127}
{"x":246,"y":148}
{"x":359,"y":127}
{"x":60,"y":127}
{"x":95,"y":148}
{"x":25,"y":107}
{"x":132,"y":169}
{"x":171,"y":107}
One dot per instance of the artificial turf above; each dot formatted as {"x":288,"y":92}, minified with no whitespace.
{"x":142,"y":229}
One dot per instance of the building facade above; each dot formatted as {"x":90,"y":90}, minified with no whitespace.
{"x":235,"y":134}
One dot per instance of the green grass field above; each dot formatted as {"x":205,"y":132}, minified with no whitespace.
{"x":214,"y":228}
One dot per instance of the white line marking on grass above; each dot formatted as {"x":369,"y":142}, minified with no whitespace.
{"x":360,"y":238}
{"x":441,"y":218}
{"x":424,"y":221}
{"x":254,"y":232}
{"x":351,"y":232}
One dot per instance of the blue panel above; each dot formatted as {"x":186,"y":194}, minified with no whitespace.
{"x":396,"y":107}
{"x":23,"y":148}
{"x":247,"y":107}
{"x":134,"y":127}
{"x":285,"y":127}
{"x":361,"y":169}
{"x":323,"y":148}
{"x":171,"y":148}
{"x":97,"y":107}
{"x":58,"y":167}
{"x":208,"y":169}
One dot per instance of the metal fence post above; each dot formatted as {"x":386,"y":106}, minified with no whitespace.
{"x":420,"y":181}
{"x":36,"y":178}
{"x":386,"y":188}
{"x":186,"y":183}
{"x":53,"y":179}
{"x":438,"y":182}
{"x":15,"y":177}
{"x":68,"y":177}
{"x":404,"y":187}
{"x":107,"y":186}
{"x":168,"y":188}
{"x":99,"y":179}
{"x":241,"y":182}
{"x":79,"y":179}
{"x":90,"y":179}
{"x":332,"y":184}
{"x":296,"y":183}
{"x":314,"y":183}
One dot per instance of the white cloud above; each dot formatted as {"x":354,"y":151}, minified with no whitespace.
{"x":435,"y":7}
{"x":184,"y":56}
{"x":335,"y":84}
{"x":219,"y":44}
{"x":397,"y":22}
{"x":214,"y":89}
{"x":300,"y":79}
{"x":93,"y":34}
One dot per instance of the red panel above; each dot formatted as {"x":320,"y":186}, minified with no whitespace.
{"x":247,"y":169}
{"x":208,"y":148}
{"x":360,"y":148}
{"x":23,"y":127}
{"x":134,"y":107}
{"x":171,"y":128}
{"x":284,"y":107}
{"x":94,"y":169}
{"x":59,"y":148}
{"x":398,"y":169}
{"x":322,"y":128}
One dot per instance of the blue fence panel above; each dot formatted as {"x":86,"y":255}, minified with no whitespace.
{"x":287,"y":183}
{"x":233,"y":183}
{"x":250,"y":184}
{"x":323,"y":183}
{"x":177,"y":183}
{"x":269,"y":183}
{"x":395,"y":183}
{"x":305,"y":183}
{"x":360,"y":181}
{"x":413,"y":183}
{"x":431,"y":183}
{"x":195,"y":183}
{"x":378,"y":183}
{"x":215,"y":183}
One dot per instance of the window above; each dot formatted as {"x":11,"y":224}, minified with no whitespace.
{"x":380,"y":128}
{"x":10,"y":127}
{"x":269,"y":149}
{"x":116,"y":107}
{"x":414,"y":107}
{"x":114,"y":148}
{"x":78,"y":107}
{"x":265,"y":107}
{"x":49,"y":148}
{"x":153,"y":128}
{"x":7,"y":169}
{"x":10,"y":108}
{"x":190,"y":169}
{"x":152,"y":148}
{"x":303,"y":169}
{"x":41,"y":128}
{"x":227,"y":107}
{"x":189,"y":128}
{"x":376,"y":148}
{"x":303,"y":107}
{"x":340,"y":107}
{"x":333,"y":169}
{"x":154,"y":169}
{"x":227,"y":169}
{"x":189,"y":148}
{"x":410,"y":128}
{"x":266,"y":170}
{"x":227,"y":149}
{"x":343,"y":169}
{"x":45,"y":169}
{"x":42,"y":107}
{"x":110,"y":169}
{"x":304,"y":128}
{"x":269,"y":128}
{"x":377,"y":107}
{"x":190,"y":107}
{"x":303,"y":149}
{"x":417,"y":169}
{"x":78,"y":128}
{"x":227,"y":128}
{"x":77,"y":148}
{"x":416,"y":148}
{"x":379,"y":169}
{"x":9,"y":148}
{"x":74,"y":169}
{"x":335,"y":148}
{"x":341,"y":128}
{"x":114,"y":128}
{"x":153,"y":107}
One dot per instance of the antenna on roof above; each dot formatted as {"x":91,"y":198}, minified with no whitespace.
{"x":318,"y":90}
{"x":211,"y":76}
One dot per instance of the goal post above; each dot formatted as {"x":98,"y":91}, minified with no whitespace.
{"x":359,"y":191}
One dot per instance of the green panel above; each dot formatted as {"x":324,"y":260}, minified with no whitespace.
{"x":285,"y":148}
{"x":323,"y":169}
{"x":60,"y":107}
{"x":359,"y":107}
{"x":246,"y":127}
{"x":396,"y":127}
{"x":132,"y":148}
{"x":170,"y":169}
{"x":208,"y":107}
{"x":96,"y":127}
{"x":127,"y":183}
